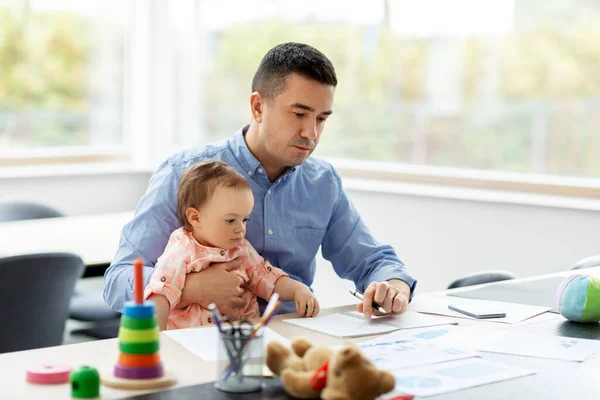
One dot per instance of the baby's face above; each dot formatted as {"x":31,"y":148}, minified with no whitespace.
{"x":222,"y":222}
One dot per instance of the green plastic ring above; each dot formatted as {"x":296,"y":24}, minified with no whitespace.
{"x":139,"y":348}
{"x":138,"y":336}
{"x":138,"y":323}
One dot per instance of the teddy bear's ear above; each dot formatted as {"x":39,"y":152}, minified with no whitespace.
{"x":386,"y":382}
{"x":350,"y":355}
{"x":300,"y":346}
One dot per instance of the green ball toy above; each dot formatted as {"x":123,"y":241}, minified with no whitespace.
{"x":578,"y":298}
{"x":85,"y":383}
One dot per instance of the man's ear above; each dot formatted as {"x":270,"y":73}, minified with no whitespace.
{"x":256,"y":106}
{"x":193,"y":216}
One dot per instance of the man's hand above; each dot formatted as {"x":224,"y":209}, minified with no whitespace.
{"x":215,"y":285}
{"x":392,"y":295}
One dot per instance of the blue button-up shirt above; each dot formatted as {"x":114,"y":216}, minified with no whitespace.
{"x":303,"y":209}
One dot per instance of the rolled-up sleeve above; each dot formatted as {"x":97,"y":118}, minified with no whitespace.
{"x":169,"y":275}
{"x":263,"y":275}
{"x":353,"y":251}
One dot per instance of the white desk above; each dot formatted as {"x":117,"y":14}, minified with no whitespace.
{"x":93,"y":237}
{"x":103,"y":354}
{"x":554,"y":380}
{"x":188,"y":368}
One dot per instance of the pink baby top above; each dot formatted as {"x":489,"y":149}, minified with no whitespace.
{"x":184,"y":254}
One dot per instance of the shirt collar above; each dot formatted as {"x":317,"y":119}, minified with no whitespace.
{"x":246,"y":159}
{"x":215,"y":251}
{"x":241,"y":152}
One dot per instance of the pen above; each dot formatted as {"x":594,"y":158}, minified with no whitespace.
{"x":212,"y":307}
{"x":359,"y":295}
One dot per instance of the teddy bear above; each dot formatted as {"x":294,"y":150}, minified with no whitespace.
{"x":309,"y":372}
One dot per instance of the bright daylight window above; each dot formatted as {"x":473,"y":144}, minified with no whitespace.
{"x":503,"y":85}
{"x":61,"y":77}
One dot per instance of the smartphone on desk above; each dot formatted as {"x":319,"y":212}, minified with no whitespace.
{"x":477,"y":311}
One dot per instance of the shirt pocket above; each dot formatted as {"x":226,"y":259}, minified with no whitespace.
{"x":307,"y":241}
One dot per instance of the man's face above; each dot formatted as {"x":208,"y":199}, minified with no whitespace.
{"x":293,"y":121}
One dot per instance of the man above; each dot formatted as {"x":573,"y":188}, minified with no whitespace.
{"x":299,"y":201}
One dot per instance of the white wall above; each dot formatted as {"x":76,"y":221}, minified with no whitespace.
{"x":438,"y":239}
{"x":78,"y":193}
{"x":441,"y":239}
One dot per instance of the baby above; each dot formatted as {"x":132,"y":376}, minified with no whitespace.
{"x":214,"y":203}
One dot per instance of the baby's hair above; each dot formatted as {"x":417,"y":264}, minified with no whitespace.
{"x":198,"y":183}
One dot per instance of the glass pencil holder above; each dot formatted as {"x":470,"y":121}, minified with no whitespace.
{"x":240,"y":362}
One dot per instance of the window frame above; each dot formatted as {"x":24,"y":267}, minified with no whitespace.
{"x":550,"y":185}
{"x":149,"y":118}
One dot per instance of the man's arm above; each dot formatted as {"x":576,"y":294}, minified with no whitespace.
{"x":145,"y":236}
{"x":354,"y":252}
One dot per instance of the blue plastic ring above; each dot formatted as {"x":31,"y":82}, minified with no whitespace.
{"x":145,"y":310}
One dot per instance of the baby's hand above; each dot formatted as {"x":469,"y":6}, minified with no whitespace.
{"x":306,"y":302}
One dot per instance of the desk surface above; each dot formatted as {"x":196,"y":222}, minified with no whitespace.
{"x":554,"y":380}
{"x":93,"y":237}
{"x":102,"y":354}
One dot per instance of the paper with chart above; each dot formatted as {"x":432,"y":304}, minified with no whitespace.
{"x":508,"y":342}
{"x":390,"y":353}
{"x":431,"y":380}
{"x":353,"y":324}
{"x":438,"y":304}
{"x":203,"y":342}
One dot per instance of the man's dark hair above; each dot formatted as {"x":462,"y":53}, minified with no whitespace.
{"x":287,"y":58}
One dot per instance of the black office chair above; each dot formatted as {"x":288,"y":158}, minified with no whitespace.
{"x":91,"y":307}
{"x":588,"y":262}
{"x":19,"y":211}
{"x":481,"y":277}
{"x":35,"y":290}
{"x":88,"y":307}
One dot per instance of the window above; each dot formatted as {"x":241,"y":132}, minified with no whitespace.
{"x":504,"y":85}
{"x":61,"y":78}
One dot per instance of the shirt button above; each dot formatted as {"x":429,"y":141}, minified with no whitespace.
{"x":269,"y":269}
{"x":260,"y":170}
{"x":222,"y":252}
{"x":209,"y":320}
{"x":163,"y":279}
{"x":270,"y":231}
{"x":269,"y":191}
{"x":249,"y":173}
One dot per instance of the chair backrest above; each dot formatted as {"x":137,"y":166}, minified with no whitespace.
{"x":35,"y":290}
{"x":22,"y":211}
{"x":588,"y":262}
{"x":481,"y":277}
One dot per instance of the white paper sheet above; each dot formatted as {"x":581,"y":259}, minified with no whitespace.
{"x":353,"y":324}
{"x":508,"y":342}
{"x":409,"y":319}
{"x":431,"y":380}
{"x":438,"y":304}
{"x":203,"y":342}
{"x":390,"y":352}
